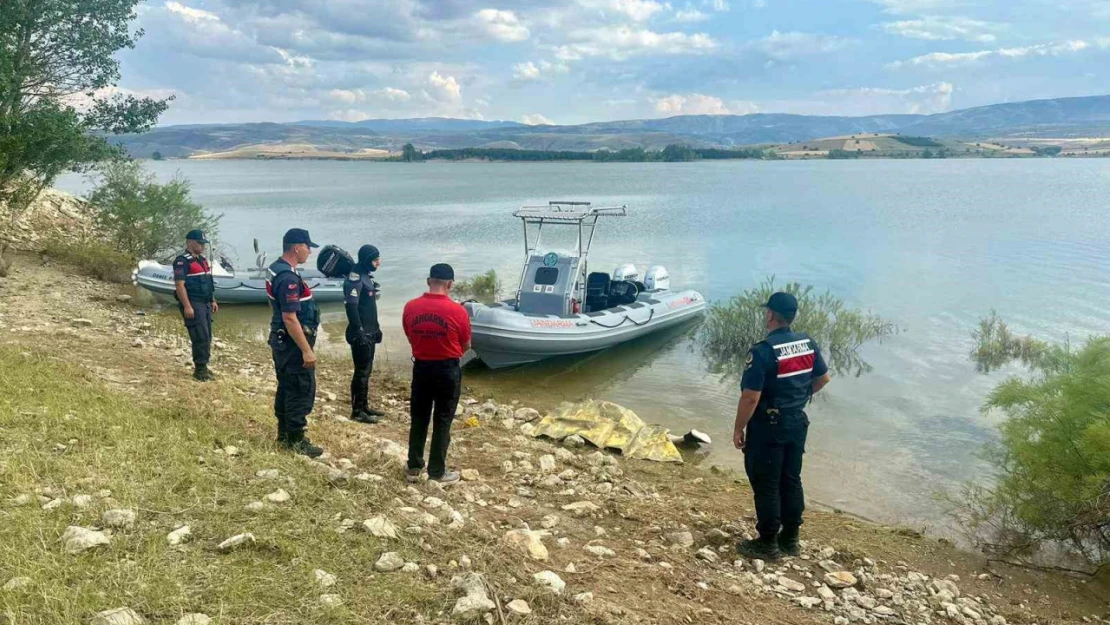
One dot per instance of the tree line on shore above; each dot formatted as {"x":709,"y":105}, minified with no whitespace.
{"x":673,"y":153}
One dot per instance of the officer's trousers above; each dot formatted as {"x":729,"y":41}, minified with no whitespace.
{"x":436,"y":385}
{"x":363,"y":356}
{"x":773,"y":461}
{"x":200,"y":331}
{"x":296,"y":385}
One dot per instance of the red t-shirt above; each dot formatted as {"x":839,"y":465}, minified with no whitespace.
{"x":437,"y":327}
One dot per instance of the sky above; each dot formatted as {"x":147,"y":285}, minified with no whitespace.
{"x":577,"y":61}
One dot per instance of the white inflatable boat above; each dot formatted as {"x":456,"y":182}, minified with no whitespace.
{"x":235,"y":287}
{"x":561,"y":308}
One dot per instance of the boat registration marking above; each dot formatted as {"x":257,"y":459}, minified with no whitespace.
{"x":679,"y":303}
{"x":552,"y":323}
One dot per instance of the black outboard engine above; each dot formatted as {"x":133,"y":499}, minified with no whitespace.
{"x":623,"y":292}
{"x":334,"y":262}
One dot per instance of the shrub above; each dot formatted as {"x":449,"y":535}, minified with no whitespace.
{"x":143,"y":218}
{"x":1052,"y":458}
{"x":92,"y":258}
{"x":733,"y":326}
{"x":485,"y":288}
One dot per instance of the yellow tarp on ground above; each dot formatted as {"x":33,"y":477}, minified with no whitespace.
{"x":610,"y":426}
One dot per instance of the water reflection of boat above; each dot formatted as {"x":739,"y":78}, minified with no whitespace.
{"x":561,"y":308}
{"x":235,"y":286}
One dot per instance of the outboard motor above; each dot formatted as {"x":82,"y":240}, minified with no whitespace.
{"x":623,"y":292}
{"x":335,"y":262}
{"x":657,"y":279}
{"x":626,"y":272}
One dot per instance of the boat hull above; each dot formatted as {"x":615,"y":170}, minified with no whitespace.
{"x":233,"y":288}
{"x":503,"y":337}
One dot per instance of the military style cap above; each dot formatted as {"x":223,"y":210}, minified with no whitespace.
{"x":442,"y":271}
{"x":784,"y":304}
{"x":196,"y":235}
{"x":297,"y":235}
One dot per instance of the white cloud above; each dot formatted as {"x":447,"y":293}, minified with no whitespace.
{"x":637,"y":10}
{"x":923,"y":100}
{"x":936,"y":28}
{"x":444,"y":88}
{"x":502,"y":25}
{"x":535,"y":119}
{"x":189,"y":13}
{"x":530,"y":72}
{"x":348,"y":115}
{"x":720,"y":6}
{"x":700,"y":104}
{"x":358,"y":96}
{"x":622,"y":42}
{"x":914,"y":6}
{"x":949,"y":59}
{"x":789,"y":45}
{"x":690,"y":15}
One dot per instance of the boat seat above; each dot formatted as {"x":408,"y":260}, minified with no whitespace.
{"x":597,"y":291}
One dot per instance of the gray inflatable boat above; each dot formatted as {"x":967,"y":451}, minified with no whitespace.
{"x":561,"y":308}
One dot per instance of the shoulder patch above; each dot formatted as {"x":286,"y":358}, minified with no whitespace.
{"x":748,"y":361}
{"x":354,"y":292}
{"x":352,"y":276}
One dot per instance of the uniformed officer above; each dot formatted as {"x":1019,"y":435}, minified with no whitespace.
{"x":781,"y":374}
{"x":439,"y":331}
{"x":363,"y":331}
{"x":196,"y":298}
{"x":292,"y":338}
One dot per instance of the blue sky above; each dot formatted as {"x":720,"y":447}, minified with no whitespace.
{"x":575,"y":61}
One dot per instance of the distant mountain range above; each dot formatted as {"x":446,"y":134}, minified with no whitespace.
{"x":1056,"y":118}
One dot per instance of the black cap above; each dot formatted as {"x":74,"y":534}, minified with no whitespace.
{"x":297,"y":235}
{"x":196,"y":235}
{"x":784,"y":304}
{"x":442,"y":271}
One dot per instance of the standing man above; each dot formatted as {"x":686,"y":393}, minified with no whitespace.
{"x":292,"y":337}
{"x":363,"y":332}
{"x":781,"y":374}
{"x":196,"y":298}
{"x":439,"y":331}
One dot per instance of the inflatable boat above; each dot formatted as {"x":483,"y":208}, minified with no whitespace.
{"x":235,"y":287}
{"x":561,"y":308}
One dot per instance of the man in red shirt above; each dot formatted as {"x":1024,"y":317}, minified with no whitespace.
{"x":439,"y":331}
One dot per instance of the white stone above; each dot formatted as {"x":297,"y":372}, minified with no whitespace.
{"x":808,"y":602}
{"x":21,"y":500}
{"x":331,"y":601}
{"x":826,"y":593}
{"x":683,"y":540}
{"x":120,"y":519}
{"x":268,"y":474}
{"x":707,"y":554}
{"x":526,"y":414}
{"x":118,"y":616}
{"x":582,"y":508}
{"x":236,"y":541}
{"x":574,"y":440}
{"x":474,"y":602}
{"x":464,"y":562}
{"x":519,"y":606}
{"x":179,"y":535}
{"x":323,"y":578}
{"x":195,"y":618}
{"x":790,"y":584}
{"x":549,"y":521}
{"x":231,"y":450}
{"x":255,"y":506}
{"x":380,"y":527}
{"x":389,"y":561}
{"x":841,"y":579}
{"x":759,"y":565}
{"x":79,"y":539}
{"x":53,"y":504}
{"x":471,"y":475}
{"x":547,"y":463}
{"x":528,"y":542}
{"x":82,"y":501}
{"x":584,"y":597}
{"x":600,"y":551}
{"x":410,"y":567}
{"x":16,"y":583}
{"x":550,"y":581}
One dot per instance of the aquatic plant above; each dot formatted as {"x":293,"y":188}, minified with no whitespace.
{"x":485,"y":288}
{"x":733,"y":326}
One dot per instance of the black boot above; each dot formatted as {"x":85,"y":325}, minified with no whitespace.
{"x":788,"y":542}
{"x":761,"y":548}
{"x":283,"y":435}
{"x":364,"y":416}
{"x":298,"y":443}
{"x":202,"y":374}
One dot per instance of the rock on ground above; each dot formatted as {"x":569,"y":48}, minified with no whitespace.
{"x":551,"y":581}
{"x":195,"y":618}
{"x":79,"y":539}
{"x":600,"y":551}
{"x":685,"y":540}
{"x":840,"y":579}
{"x":331,"y":601}
{"x":380,"y":527}
{"x":323,"y":578}
{"x":179,"y":535}
{"x":278,"y":496}
{"x":519,"y":606}
{"x":16,"y":583}
{"x":528,"y":542}
{"x":474,"y":602}
{"x":389,"y":561}
{"x":235,"y":542}
{"x":118,"y":616}
{"x":121,"y":519}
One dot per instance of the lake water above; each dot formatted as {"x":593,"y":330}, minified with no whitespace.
{"x":930,"y":245}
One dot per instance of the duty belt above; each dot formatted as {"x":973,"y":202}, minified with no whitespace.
{"x":282,"y":333}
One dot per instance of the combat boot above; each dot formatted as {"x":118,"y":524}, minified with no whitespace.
{"x":298,"y":443}
{"x":762,"y":548}
{"x":788,"y":542}
{"x":364,"y":416}
{"x":203,"y":374}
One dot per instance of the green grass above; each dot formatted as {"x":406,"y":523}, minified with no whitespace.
{"x":161,"y":461}
{"x":93,"y":258}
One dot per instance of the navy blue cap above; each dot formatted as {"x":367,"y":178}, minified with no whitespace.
{"x":784,"y":304}
{"x":196,"y":235}
{"x":297,"y":235}
{"x":441,"y":271}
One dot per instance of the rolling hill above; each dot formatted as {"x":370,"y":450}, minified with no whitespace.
{"x":1062,"y":118}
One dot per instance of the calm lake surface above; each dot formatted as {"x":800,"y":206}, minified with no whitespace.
{"x":930,"y":245}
